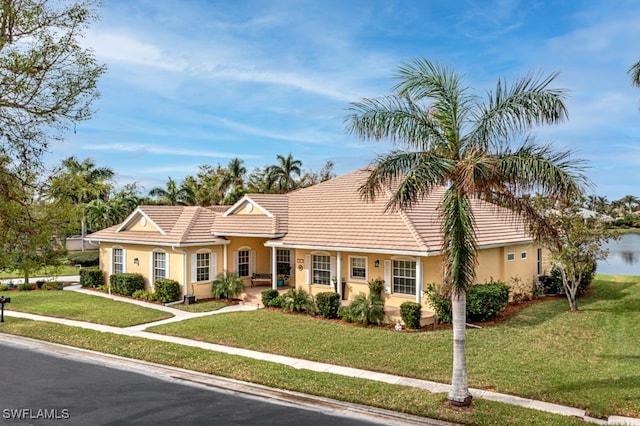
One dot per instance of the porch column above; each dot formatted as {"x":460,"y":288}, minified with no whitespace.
{"x":274,"y":269}
{"x":418,"y":279}
{"x":224,"y":260}
{"x":339,"y":273}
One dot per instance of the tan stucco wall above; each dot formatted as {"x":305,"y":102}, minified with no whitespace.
{"x":263,"y":254}
{"x":176,"y":262}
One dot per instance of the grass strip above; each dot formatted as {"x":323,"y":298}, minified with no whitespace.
{"x":82,"y":307}
{"x":360,"y":391}
{"x":208,"y":306}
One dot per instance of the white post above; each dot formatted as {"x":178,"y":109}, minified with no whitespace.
{"x":339,"y":273}
{"x":418,"y":279}
{"x":274,"y":269}
{"x":224,"y":260}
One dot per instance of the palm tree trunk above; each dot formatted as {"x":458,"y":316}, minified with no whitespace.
{"x":83,"y":225}
{"x":459,"y":394}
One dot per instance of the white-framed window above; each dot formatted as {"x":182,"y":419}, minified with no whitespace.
{"x":358,"y":268}
{"x":523,"y":255}
{"x":404,"y":277}
{"x":511,"y":257}
{"x":243,"y":263}
{"x":118,"y":260}
{"x":159,"y":265}
{"x":283,"y":262}
{"x":321,"y":269}
{"x":203,"y":266}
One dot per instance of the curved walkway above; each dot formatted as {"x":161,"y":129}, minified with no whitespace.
{"x":138,"y":331}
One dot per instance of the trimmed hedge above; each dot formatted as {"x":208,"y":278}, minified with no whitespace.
{"x":328,"y":304}
{"x":167,"y":290}
{"x":126,"y":283}
{"x":484,"y":301}
{"x":411,"y":313}
{"x":89,"y":258}
{"x":91,"y":277}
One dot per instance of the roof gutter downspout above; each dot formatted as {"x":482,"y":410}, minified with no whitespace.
{"x":184,"y":269}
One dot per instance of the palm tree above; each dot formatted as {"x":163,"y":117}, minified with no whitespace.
{"x":232,"y":180}
{"x":634,"y":73}
{"x":454,"y":140}
{"x":173,"y":195}
{"x":282,"y":174}
{"x":82,"y":182}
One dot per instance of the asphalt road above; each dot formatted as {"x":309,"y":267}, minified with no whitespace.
{"x":41,"y":388}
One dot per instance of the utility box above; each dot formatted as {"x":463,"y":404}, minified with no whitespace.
{"x":189,"y":299}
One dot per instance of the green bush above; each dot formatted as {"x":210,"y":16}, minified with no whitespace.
{"x":88,"y":258}
{"x":139,"y":294}
{"x":126,"y":283}
{"x":91,"y":277}
{"x":345,"y":314}
{"x":268,"y":296}
{"x":298,"y":301}
{"x":167,"y":290}
{"x":328,"y":303}
{"x":365,"y":310}
{"x":411,"y":313}
{"x":484,"y":301}
{"x":277,"y":302}
{"x":26,"y":287}
{"x":51,"y":285}
{"x":4,"y":287}
{"x":227,"y":286}
{"x":439,"y":300}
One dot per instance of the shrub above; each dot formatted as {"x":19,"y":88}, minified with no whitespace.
{"x":277,"y":302}
{"x":51,"y":285}
{"x":439,"y":300}
{"x":268,"y":296}
{"x":167,"y":290}
{"x":365,"y":310}
{"x":26,"y":287}
{"x":91,"y":277}
{"x":345,"y":314}
{"x":328,"y":303}
{"x":484,"y":301}
{"x":298,"y":301}
{"x":227,"y":286}
{"x":40,"y":283}
{"x":411,"y":313}
{"x":376,"y":287}
{"x":4,"y":287}
{"x":139,"y":294}
{"x":126,"y":283}
{"x":88,"y":258}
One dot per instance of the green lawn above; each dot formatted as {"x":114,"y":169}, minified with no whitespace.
{"x":208,"y":306}
{"x":361,"y":391}
{"x":82,"y":307}
{"x":587,"y":359}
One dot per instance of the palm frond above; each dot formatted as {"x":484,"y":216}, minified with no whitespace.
{"x":634,"y":74}
{"x":513,"y":109}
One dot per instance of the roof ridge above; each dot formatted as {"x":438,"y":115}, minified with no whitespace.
{"x":192,"y":222}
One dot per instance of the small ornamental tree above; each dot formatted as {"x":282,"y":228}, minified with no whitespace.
{"x":227,"y":286}
{"x":576,"y":247}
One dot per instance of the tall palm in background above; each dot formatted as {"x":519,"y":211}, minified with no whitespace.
{"x":174,"y":195}
{"x":454,"y":140}
{"x":232,"y":181}
{"x":82,"y":182}
{"x":282,"y":174}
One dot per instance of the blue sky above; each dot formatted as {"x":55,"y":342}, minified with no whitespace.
{"x":201,"y":82}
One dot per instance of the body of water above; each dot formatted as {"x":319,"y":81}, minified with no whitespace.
{"x":624,"y":256}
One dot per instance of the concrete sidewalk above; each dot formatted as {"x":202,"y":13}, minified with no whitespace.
{"x":334,"y":369}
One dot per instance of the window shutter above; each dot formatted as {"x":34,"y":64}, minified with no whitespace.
{"x":213,"y":262}
{"x":307,"y":262}
{"x":252,"y":262}
{"x":332,"y":268}
{"x":111,"y":261}
{"x":387,"y":277}
{"x":194,"y":268}
{"x":124,"y":260}
{"x":292,"y":263}
{"x":420,"y":281}
{"x":235,"y":262}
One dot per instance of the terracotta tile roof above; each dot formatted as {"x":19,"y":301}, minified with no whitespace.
{"x":273,"y":223}
{"x":177,"y":225}
{"x":332,"y":214}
